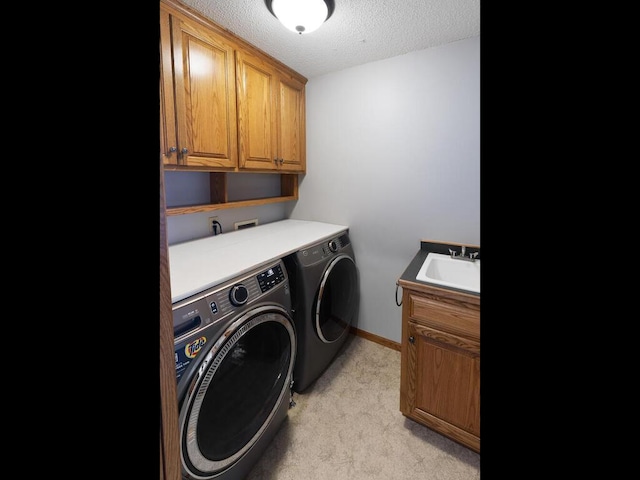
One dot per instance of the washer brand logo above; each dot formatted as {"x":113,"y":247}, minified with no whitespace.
{"x":192,"y":349}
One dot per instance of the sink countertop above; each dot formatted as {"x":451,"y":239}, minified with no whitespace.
{"x":197,"y":265}
{"x":426,"y":247}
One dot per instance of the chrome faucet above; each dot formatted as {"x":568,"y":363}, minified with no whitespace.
{"x":470,"y":258}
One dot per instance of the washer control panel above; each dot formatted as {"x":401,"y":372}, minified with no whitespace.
{"x":219,"y":302}
{"x":270,"y":278}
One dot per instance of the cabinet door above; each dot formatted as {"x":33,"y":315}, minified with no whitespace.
{"x":291,"y":125}
{"x":271,"y":116}
{"x":205,"y":96}
{"x":257,"y":137}
{"x":443,"y":382}
{"x":168,"y":133}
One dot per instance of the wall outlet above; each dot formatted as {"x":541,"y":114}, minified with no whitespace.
{"x":211,"y":220}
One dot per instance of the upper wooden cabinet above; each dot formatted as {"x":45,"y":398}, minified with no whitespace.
{"x":198,"y":96}
{"x":271,"y":116}
{"x":225,"y":104}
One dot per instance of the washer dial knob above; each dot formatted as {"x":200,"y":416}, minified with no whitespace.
{"x":333,"y":246}
{"x":238,"y":295}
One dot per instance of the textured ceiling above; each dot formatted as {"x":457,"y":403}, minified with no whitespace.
{"x":359,"y":31}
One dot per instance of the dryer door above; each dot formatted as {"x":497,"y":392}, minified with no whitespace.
{"x":240,"y":384}
{"x":337,"y":299}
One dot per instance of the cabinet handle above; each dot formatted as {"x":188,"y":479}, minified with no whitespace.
{"x":281,"y":161}
{"x":184,"y":150}
{"x":172,"y":150}
{"x":412,"y":340}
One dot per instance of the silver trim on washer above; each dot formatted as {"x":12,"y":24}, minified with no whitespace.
{"x":206,"y":372}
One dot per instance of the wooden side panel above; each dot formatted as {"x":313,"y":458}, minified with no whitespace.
{"x":169,"y":436}
{"x":407,"y":363}
{"x":289,"y":185}
{"x":218,"y":187}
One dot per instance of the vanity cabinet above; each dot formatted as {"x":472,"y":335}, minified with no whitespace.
{"x":198,"y":95}
{"x":271,"y":121}
{"x":440,"y":361}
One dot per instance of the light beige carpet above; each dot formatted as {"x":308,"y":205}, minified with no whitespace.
{"x":348,"y":426}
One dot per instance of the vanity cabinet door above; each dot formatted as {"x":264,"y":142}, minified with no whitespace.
{"x":444,"y":380}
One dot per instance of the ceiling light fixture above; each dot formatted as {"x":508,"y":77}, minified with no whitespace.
{"x":301,"y":16}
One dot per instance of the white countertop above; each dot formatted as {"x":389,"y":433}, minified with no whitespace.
{"x":200,"y":264}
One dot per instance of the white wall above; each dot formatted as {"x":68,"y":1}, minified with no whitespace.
{"x":393,"y":151}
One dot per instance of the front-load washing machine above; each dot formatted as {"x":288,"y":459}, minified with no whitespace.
{"x":235,"y":347}
{"x":325,"y":302}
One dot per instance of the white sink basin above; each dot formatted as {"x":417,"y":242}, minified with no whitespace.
{"x":446,"y":271}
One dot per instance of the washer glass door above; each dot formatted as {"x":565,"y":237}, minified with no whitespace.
{"x":337,"y":299}
{"x":240,"y":384}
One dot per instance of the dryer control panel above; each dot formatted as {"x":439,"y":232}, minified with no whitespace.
{"x":322,"y":250}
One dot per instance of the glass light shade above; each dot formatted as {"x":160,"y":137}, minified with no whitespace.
{"x":300,"y":16}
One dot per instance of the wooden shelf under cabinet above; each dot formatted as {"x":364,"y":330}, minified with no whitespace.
{"x":218,"y":195}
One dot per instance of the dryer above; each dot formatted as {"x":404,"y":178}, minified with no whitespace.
{"x":325,"y":302}
{"x":235,"y":347}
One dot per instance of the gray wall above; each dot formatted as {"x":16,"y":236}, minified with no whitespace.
{"x":393,"y":151}
{"x":188,"y":188}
